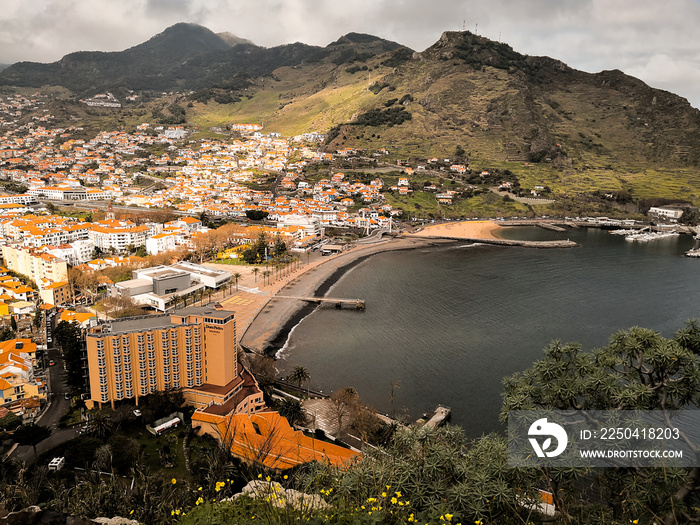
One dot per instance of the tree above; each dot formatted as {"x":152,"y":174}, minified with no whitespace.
{"x":266,"y":275}
{"x":31,"y":434}
{"x":256,"y":215}
{"x":69,"y":337}
{"x":236,"y":277}
{"x":299,"y":375}
{"x":10,"y":422}
{"x":37,"y":320}
{"x":255,"y":271}
{"x":280,"y":247}
{"x":344,"y":402}
{"x":292,"y":410}
{"x":638,"y":370}
{"x":99,"y":424}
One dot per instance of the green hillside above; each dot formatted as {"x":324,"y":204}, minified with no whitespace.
{"x":550,"y":124}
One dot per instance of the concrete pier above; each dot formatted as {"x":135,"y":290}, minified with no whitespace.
{"x":504,"y":242}
{"x":358,"y":304}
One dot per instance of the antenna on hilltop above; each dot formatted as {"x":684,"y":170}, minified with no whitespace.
{"x":476,"y":29}
{"x":464,"y":25}
{"x":499,"y":37}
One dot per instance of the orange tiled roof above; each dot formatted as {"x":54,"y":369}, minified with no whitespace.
{"x":267,"y":438}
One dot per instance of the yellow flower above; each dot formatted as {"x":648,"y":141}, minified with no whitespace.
{"x":635,"y":522}
{"x":259,"y":476}
{"x":172,"y":513}
{"x":177,"y":512}
{"x":448,"y":517}
{"x":398,"y":494}
{"x":394,"y":501}
{"x":267,"y":479}
{"x":131,"y":512}
{"x":383,"y":494}
{"x":173,"y":481}
{"x":285,"y":476}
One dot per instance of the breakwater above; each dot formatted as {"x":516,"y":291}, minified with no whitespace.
{"x":510,"y":242}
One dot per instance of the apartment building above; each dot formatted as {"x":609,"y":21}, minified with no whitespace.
{"x":58,"y":294}
{"x":193,"y":349}
{"x":17,"y":379}
{"x":106,"y":238}
{"x":34,"y":264}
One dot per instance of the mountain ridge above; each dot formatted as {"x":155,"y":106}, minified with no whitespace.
{"x":465,"y":91}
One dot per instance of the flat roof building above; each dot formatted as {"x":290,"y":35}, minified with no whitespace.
{"x":193,"y":349}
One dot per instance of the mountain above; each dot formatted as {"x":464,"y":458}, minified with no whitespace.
{"x":184,"y":56}
{"x":553,"y":124}
{"x":469,"y":91}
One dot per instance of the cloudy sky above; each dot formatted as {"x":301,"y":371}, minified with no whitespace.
{"x":649,"y":39}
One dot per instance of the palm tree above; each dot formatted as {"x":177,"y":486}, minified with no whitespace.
{"x":236,"y":277}
{"x":299,"y":375}
{"x":293,"y":411}
{"x":266,"y":274}
{"x":255,"y":273}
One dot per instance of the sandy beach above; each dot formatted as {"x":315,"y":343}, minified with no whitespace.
{"x":461,"y":230}
{"x":262,"y":312}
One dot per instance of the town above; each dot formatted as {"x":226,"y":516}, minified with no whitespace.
{"x":121,"y":254}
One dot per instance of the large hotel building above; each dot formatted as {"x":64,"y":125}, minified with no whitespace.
{"x":193,"y":349}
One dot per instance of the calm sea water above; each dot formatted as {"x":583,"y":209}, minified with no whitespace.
{"x":447,"y":324}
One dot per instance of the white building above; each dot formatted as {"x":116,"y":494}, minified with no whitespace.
{"x":312,"y":225}
{"x":163,"y":242}
{"x":667,"y":213}
{"x":106,"y":238}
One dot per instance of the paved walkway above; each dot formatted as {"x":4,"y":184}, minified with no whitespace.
{"x":322,"y":414}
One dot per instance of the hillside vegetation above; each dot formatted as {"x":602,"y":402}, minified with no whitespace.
{"x":551,"y":125}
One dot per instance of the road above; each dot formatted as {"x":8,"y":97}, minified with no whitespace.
{"x":58,"y":406}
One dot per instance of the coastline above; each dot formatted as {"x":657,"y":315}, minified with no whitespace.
{"x":268,"y":330}
{"x":467,"y":230}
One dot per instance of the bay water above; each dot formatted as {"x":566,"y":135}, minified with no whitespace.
{"x":444,"y":325}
